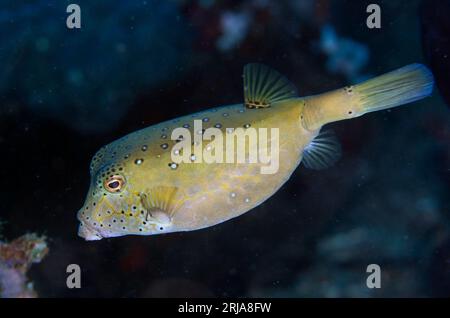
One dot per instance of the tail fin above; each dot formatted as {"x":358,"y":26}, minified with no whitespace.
{"x":402,"y":86}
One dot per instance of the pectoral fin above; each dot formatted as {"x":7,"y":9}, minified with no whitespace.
{"x":322,"y":152}
{"x":161,"y":203}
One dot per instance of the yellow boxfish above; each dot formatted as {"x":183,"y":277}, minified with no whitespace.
{"x":140,"y":186}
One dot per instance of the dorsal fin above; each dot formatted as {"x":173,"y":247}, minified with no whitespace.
{"x":263,"y":86}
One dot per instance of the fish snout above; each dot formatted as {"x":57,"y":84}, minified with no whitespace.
{"x":88,"y":233}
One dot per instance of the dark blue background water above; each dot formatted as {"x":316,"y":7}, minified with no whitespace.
{"x":65,"y":93}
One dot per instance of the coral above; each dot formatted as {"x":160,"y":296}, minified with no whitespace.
{"x":16,"y":258}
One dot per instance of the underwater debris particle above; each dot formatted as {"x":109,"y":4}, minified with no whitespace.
{"x":139,"y":161}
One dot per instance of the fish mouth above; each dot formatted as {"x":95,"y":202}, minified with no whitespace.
{"x":88,"y":233}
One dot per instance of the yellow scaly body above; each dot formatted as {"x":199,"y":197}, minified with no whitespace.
{"x":137,"y":189}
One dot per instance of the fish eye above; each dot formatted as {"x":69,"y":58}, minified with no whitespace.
{"x":114,"y":184}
